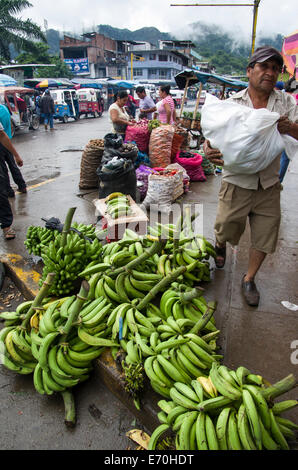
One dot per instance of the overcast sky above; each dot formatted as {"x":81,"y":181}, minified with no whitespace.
{"x":275,"y":16}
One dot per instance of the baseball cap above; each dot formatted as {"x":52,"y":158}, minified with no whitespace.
{"x":264,"y":53}
{"x":280,"y":85}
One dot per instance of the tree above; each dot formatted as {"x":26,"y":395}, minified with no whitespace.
{"x":13,"y":30}
{"x":40,"y":55}
{"x":61,"y":70}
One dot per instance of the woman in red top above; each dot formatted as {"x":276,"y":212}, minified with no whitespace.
{"x":166,"y":107}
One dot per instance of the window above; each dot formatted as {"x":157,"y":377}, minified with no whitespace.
{"x":163,"y":58}
{"x":137,"y":72}
{"x":152,"y":73}
{"x":152,"y":56}
{"x":163,"y":73}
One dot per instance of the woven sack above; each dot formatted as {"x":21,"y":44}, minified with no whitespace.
{"x":91,"y":159}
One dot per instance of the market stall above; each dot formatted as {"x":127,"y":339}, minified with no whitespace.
{"x":190,"y":77}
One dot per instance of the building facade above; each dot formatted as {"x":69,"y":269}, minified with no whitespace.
{"x":95,"y":56}
{"x":156,"y":64}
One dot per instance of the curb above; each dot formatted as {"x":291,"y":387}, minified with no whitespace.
{"x":21,"y":273}
{"x":26,"y":280}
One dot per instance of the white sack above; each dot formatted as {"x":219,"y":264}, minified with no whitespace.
{"x":248,"y":138}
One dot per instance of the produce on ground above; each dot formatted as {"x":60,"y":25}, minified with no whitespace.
{"x":141,"y":298}
{"x":118,"y":205}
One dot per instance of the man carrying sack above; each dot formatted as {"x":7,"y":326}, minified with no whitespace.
{"x":256,"y":196}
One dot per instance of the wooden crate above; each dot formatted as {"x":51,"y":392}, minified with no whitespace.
{"x":137,"y":221}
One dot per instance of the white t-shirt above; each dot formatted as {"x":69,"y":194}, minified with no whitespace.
{"x":120,"y":128}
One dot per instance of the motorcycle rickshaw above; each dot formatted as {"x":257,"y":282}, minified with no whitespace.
{"x":20,"y":104}
{"x":66,"y":104}
{"x":90,"y":102}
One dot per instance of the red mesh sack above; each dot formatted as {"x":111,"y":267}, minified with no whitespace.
{"x":193,"y":166}
{"x":139,"y":133}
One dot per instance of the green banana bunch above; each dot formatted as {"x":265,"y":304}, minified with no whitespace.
{"x":37,"y":238}
{"x":16,"y":318}
{"x":15,"y":350}
{"x":68,"y":261}
{"x":118,"y":206}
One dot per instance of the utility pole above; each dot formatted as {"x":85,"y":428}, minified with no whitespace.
{"x":255,"y":12}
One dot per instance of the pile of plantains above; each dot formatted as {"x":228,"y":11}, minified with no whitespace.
{"x":142,"y":297}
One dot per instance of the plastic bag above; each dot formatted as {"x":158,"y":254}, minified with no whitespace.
{"x":117,"y":175}
{"x":142,"y":174}
{"x":248,"y":138}
{"x":128,"y":151}
{"x":139,"y":133}
{"x":192,"y":165}
{"x":160,"y":146}
{"x":113,"y":141}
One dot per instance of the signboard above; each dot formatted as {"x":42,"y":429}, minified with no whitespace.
{"x":78,"y":66}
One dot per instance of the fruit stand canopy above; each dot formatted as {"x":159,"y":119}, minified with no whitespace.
{"x":194,"y":77}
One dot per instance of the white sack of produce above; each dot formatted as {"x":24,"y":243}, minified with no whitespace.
{"x":162,"y":191}
{"x":248,"y":138}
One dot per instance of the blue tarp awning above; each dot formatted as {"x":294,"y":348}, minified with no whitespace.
{"x":7,"y":80}
{"x":87,"y":83}
{"x":122,"y":83}
{"x":204,"y":77}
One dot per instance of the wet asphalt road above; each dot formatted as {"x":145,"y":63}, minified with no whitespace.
{"x":27,"y":419}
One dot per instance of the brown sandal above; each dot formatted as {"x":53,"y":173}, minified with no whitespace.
{"x":220,"y":253}
{"x":9,"y":234}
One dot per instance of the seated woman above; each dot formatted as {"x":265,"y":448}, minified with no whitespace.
{"x":117,"y":114}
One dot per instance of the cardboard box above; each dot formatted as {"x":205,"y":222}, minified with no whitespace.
{"x":137,"y":221}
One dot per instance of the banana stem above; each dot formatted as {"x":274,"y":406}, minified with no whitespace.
{"x":156,"y":247}
{"x":42,"y":293}
{"x":279,"y":388}
{"x":205,"y":318}
{"x":165,"y":282}
{"x":186,"y":297}
{"x":82,"y":296}
{"x":70,"y":410}
{"x":188,"y":222}
{"x":67,"y":225}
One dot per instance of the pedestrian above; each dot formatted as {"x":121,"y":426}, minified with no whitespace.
{"x":146,"y":105}
{"x":6,"y":214}
{"x":166,"y":107}
{"x":47,"y":109}
{"x":7,"y":160}
{"x":131,"y":105}
{"x":256,"y":196}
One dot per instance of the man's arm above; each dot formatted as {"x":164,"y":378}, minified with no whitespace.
{"x":285,"y":126}
{"x":5,"y":141}
{"x":214,"y":155}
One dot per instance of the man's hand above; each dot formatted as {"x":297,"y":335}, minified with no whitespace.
{"x":214,"y":155}
{"x":284,"y":125}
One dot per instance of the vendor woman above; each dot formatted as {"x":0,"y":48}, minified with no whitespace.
{"x":166,"y":106}
{"x":118,"y":115}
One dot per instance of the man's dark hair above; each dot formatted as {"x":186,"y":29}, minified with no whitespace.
{"x":140,"y":89}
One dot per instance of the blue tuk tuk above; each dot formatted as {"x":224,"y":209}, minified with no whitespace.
{"x":66,"y":104}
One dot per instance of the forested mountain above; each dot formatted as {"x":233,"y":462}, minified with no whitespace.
{"x":148,"y":34}
{"x":222,"y":49}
